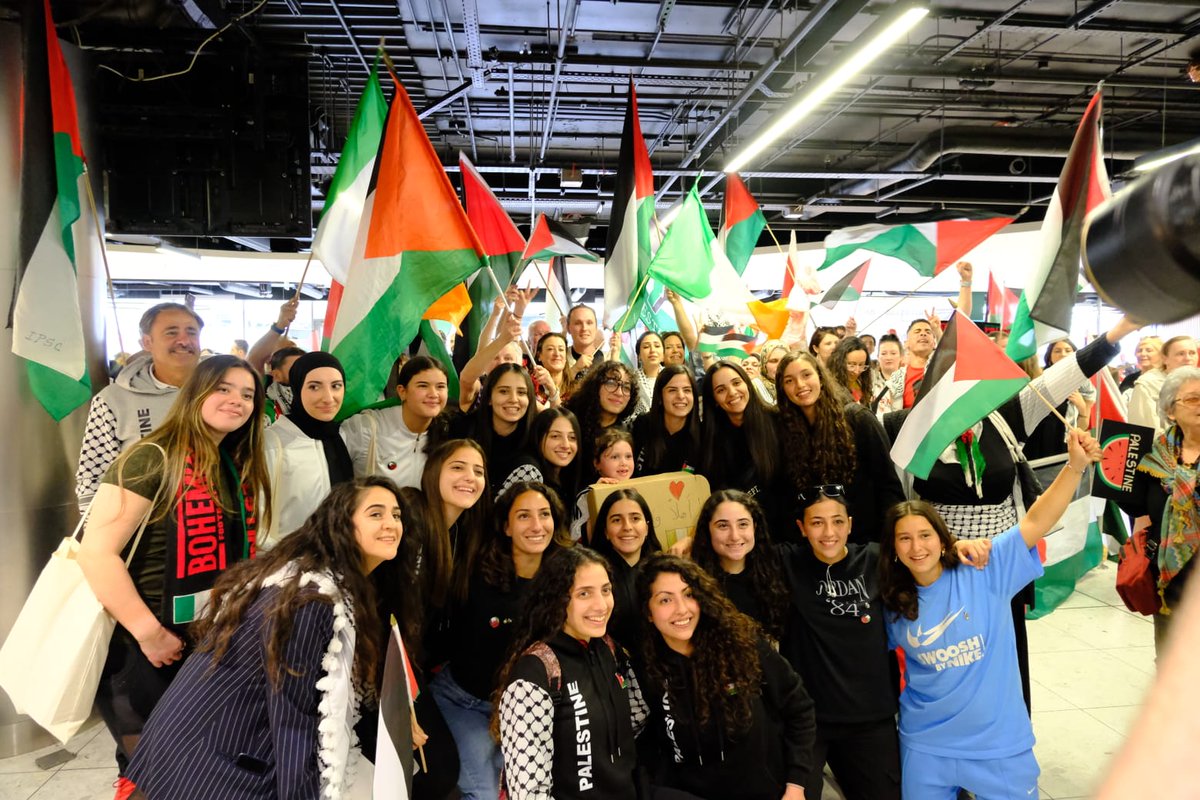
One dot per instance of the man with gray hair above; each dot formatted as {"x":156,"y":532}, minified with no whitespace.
{"x":138,"y":400}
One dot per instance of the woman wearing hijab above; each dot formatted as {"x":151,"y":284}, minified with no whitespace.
{"x":305,"y":453}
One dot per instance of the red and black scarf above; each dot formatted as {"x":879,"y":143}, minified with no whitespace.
{"x":203,"y":545}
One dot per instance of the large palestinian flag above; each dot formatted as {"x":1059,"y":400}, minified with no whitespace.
{"x":968,"y":378}
{"x":627,"y":255}
{"x":47,"y":326}
{"x":1044,"y":310}
{"x":742,"y":222}
{"x":414,"y":245}
{"x":927,"y":247}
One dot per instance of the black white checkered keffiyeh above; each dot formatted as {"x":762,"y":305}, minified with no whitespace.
{"x":978,"y":521}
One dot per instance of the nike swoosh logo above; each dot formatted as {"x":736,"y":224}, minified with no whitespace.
{"x":931,"y":635}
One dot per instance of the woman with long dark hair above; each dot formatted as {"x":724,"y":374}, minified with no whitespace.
{"x":626,"y":537}
{"x":529,"y":523}
{"x":728,"y":716}
{"x":200,"y":472}
{"x":551,"y":354}
{"x":667,"y":438}
{"x":607,"y":396}
{"x":733,"y":544}
{"x":304,"y":451}
{"x":739,"y":441}
{"x":650,"y":356}
{"x":963,"y":724}
{"x":832,"y":441}
{"x":396,"y":440}
{"x":565,"y":673}
{"x":502,"y":420}
{"x":288,"y":644}
{"x":551,"y":455}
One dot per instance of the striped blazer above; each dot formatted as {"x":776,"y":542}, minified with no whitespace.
{"x":228,"y":733}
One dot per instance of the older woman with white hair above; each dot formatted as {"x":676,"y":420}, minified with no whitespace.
{"x":1165,"y":488}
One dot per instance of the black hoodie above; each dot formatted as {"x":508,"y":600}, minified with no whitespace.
{"x":709,"y":762}
{"x":571,"y":736}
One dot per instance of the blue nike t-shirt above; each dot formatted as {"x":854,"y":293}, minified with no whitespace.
{"x":963,"y":697}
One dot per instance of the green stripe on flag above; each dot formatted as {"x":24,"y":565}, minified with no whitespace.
{"x":437,"y":349}
{"x":904,"y":242}
{"x":68,"y":168}
{"x":1022,"y":339}
{"x":1058,"y":582}
{"x":958,"y":417}
{"x":742,"y":238}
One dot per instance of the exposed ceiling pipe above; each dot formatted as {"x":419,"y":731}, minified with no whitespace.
{"x":350,"y":35}
{"x":811,"y":22}
{"x":458,"y":67}
{"x":564,"y":33}
{"x":994,"y":23}
{"x":980,"y":140}
{"x":512,"y":119}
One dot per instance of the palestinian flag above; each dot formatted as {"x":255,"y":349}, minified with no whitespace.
{"x":502,"y":243}
{"x":627,"y":254}
{"x":850,"y":287}
{"x":927,"y":247}
{"x":549,"y":239}
{"x":968,"y":378}
{"x":46,"y":323}
{"x":790,"y":265}
{"x":726,"y":341}
{"x":558,"y":292}
{"x":742,"y":223}
{"x":1044,"y":311}
{"x":1068,"y":552}
{"x":1001,"y":303}
{"x":414,"y":244}
{"x":333,"y":242}
{"x":394,"y":744}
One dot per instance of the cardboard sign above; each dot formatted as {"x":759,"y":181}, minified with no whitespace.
{"x":1122,"y":447}
{"x":675,"y":499}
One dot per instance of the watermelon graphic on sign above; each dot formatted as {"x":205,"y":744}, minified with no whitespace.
{"x":1121,"y":450}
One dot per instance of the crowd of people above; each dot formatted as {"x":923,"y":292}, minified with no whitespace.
{"x":254,"y":548}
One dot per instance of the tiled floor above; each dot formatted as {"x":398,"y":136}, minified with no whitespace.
{"x":1092,"y":662}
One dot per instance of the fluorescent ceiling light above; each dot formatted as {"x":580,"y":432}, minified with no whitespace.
{"x":867,"y":52}
{"x":1158,"y":158}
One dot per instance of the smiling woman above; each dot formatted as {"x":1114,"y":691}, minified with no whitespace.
{"x":305,"y":454}
{"x":209,"y":451}
{"x":285,"y":648}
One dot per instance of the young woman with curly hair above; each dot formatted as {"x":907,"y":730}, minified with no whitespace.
{"x":963,"y":722}
{"x":733,"y":544}
{"x":529,"y":524}
{"x":502,"y":421}
{"x":831,"y":441}
{"x":667,"y":438}
{"x":565,"y":673}
{"x":625,"y":536}
{"x":200,"y":473}
{"x":290,"y":640}
{"x":739,"y":441}
{"x":850,"y":366}
{"x":607,"y":396}
{"x":728,"y":716}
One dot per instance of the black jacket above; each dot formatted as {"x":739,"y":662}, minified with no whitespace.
{"x":708,"y":762}
{"x":572,"y":735}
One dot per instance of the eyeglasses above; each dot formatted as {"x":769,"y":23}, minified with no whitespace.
{"x":617,"y":387}
{"x":1190,"y":400}
{"x":814,"y":493}
{"x":856,"y":367}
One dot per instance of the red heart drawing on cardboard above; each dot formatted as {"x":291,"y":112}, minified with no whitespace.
{"x":676,"y":488}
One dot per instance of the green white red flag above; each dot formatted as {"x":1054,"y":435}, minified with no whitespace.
{"x":414,"y":244}
{"x":1044,"y":310}
{"x":47,"y":326}
{"x":502,"y":243}
{"x":333,"y":242}
{"x":928,"y":247}
{"x":742,"y":223}
{"x":549,"y":239}
{"x":850,"y":287}
{"x":627,"y":254}
{"x":968,"y":378}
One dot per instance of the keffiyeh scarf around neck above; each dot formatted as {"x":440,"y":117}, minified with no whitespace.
{"x":1180,"y":529}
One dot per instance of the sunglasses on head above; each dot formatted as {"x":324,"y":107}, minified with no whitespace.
{"x":814,"y":493}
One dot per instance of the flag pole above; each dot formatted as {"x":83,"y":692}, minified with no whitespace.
{"x":496,"y":282}
{"x":633,"y":301}
{"x":898,"y":302}
{"x":550,"y":294}
{"x":112,"y":294}
{"x":787,"y":264}
{"x":303,"y":275}
{"x":1050,"y":406}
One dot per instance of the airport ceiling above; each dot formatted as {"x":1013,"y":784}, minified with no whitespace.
{"x":972,"y":112}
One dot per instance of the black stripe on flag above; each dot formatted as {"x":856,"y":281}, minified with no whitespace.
{"x":942,"y":360}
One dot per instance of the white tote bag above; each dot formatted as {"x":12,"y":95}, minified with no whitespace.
{"x":51,"y":662}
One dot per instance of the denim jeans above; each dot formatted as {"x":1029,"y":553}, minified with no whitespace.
{"x":469,"y":719}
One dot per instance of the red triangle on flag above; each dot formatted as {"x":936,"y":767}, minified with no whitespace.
{"x":540,"y":238}
{"x":491,"y":222}
{"x":979,"y":358}
{"x":739,"y":203}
